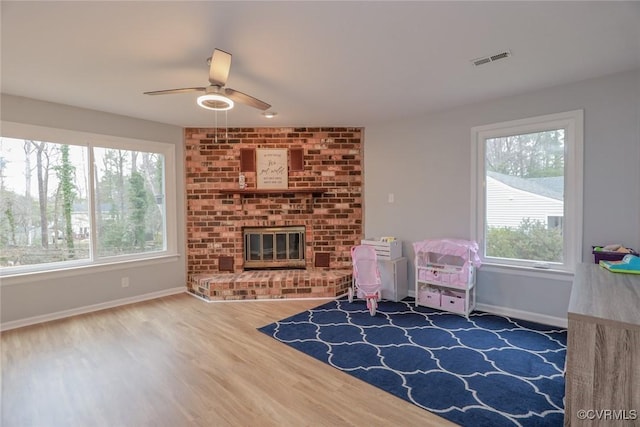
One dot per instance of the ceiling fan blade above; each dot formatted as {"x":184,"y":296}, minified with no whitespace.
{"x":243,"y":98}
{"x":219,"y":68}
{"x":170,"y":91}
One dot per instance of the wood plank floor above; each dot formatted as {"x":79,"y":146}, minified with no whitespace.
{"x":178,"y":361}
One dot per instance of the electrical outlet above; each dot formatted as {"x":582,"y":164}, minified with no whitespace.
{"x":391,"y":198}
{"x":124,"y":282}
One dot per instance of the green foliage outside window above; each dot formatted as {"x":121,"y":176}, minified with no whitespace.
{"x":531,"y":240}
{"x":139,"y":202}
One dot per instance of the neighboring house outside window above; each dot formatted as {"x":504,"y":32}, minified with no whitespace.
{"x":79,"y":199}
{"x":527,"y":198}
{"x":511,"y":199}
{"x":554,"y":221}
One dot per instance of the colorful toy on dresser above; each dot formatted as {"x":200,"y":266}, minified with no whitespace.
{"x":630,"y":264}
{"x":612,"y":252}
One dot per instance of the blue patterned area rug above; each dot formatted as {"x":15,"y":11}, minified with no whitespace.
{"x":487,"y":370}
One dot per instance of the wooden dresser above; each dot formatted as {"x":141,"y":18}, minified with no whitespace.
{"x":603,"y":349}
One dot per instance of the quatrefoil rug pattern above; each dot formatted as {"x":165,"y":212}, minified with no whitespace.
{"x":487,"y":370}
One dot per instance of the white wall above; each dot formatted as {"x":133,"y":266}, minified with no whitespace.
{"x":426,"y":161}
{"x":40,"y":297}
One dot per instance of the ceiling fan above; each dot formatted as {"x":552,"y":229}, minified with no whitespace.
{"x":216,"y":96}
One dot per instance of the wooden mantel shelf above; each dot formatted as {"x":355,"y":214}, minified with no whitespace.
{"x":315,"y":191}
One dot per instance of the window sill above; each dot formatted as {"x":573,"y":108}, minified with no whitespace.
{"x":79,"y":270}
{"x":540,"y":273}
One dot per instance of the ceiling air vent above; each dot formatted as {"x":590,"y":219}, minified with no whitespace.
{"x":492,"y":58}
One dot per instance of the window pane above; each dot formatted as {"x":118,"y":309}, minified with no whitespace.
{"x":129,"y":201}
{"x":524,"y":189}
{"x":43,"y":203}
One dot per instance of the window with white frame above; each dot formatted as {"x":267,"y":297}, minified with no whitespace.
{"x":527,"y":197}
{"x":69,"y":199}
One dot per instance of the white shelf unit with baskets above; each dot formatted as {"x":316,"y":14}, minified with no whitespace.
{"x":445,"y":275}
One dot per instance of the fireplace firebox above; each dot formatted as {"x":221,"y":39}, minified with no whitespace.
{"x":274,"y":247}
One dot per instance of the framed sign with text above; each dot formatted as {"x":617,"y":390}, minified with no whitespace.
{"x":271,"y":168}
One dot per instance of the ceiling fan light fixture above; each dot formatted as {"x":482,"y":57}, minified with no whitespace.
{"x":269,"y":114}
{"x":216,"y":96}
{"x":214,"y":101}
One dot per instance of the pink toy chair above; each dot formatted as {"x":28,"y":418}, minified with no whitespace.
{"x":366,"y":276}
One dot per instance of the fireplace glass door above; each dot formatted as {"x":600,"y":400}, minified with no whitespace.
{"x":274,"y":247}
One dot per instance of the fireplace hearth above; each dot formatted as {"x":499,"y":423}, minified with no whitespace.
{"x":274,"y":247}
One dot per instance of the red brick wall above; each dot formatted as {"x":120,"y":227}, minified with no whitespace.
{"x":333,"y":220}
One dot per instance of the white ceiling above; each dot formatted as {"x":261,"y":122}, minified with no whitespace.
{"x":317,"y":63}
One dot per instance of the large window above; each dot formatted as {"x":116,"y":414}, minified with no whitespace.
{"x":70,"y":199}
{"x":527,"y":199}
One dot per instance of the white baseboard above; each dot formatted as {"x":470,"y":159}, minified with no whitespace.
{"x":89,"y":308}
{"x":524,"y":315}
{"x":519,"y":314}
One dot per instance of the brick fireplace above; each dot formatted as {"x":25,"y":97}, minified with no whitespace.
{"x":322,"y":195}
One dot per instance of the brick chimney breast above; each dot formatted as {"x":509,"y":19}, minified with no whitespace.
{"x":324,"y":194}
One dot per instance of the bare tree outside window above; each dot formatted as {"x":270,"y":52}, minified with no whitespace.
{"x":48,"y":220}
